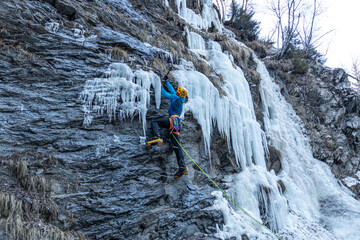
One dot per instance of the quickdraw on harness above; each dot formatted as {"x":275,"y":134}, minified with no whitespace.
{"x":175,"y":124}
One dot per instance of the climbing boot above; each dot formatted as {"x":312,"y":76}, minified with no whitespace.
{"x":181,"y":171}
{"x":154,"y":141}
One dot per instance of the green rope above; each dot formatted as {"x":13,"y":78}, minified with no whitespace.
{"x":225,"y":192}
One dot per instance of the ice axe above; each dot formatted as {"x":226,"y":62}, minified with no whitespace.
{"x":166,"y":75}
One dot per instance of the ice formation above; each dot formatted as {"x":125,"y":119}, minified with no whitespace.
{"x":120,"y":95}
{"x":314,"y":205}
{"x":207,"y":19}
{"x":233,"y":114}
{"x":52,"y":27}
{"x":166,"y":3}
{"x":310,"y":185}
{"x":350,"y":181}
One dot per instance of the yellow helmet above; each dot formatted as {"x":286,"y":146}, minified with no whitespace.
{"x":181,"y":92}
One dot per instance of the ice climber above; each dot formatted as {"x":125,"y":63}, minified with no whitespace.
{"x":173,"y":123}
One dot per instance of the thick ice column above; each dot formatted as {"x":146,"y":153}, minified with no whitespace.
{"x":234,"y":116}
{"x":194,"y":40}
{"x":121,"y":94}
{"x":284,"y":129}
{"x":233,"y":113}
{"x":255,"y":190}
{"x":202,"y":99}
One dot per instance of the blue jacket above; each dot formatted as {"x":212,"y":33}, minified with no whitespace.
{"x":176,"y":104}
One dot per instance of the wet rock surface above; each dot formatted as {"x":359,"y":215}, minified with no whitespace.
{"x":106,"y":184}
{"x":102,"y":181}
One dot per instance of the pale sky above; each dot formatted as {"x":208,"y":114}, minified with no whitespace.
{"x":344,"y":17}
{"x":343,"y":44}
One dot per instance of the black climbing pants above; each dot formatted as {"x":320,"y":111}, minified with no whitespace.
{"x":165,"y":123}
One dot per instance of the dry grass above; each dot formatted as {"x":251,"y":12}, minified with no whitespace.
{"x":19,"y":50}
{"x":20,"y":229}
{"x":37,"y":184}
{"x":19,"y":168}
{"x":16,"y":217}
{"x":160,"y":65}
{"x":117,"y":53}
{"x":26,"y":211}
{"x":177,"y":49}
{"x":242,"y":55}
{"x":144,"y":37}
{"x":202,"y":67}
{"x":10,"y":206}
{"x":205,"y":69}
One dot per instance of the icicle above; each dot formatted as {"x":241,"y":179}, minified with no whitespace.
{"x":233,"y":114}
{"x":195,"y":41}
{"x":166,"y":3}
{"x":121,"y":95}
{"x":207,"y":19}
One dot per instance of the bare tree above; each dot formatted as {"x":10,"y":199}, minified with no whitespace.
{"x":355,"y":72}
{"x":311,"y":34}
{"x":308,"y":29}
{"x":245,"y":4}
{"x":227,"y":7}
{"x":233,"y":10}
{"x":287,"y":13}
{"x":297,"y":23}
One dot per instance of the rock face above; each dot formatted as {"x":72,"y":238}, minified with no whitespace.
{"x":105,"y":184}
{"x":99,"y":181}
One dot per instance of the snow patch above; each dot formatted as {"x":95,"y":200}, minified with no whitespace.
{"x":350,"y":181}
{"x":52,"y":27}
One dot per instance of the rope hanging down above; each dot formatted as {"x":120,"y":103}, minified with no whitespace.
{"x":225,"y":192}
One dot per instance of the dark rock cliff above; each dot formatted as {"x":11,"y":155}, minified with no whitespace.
{"x":62,"y":179}
{"x":99,"y":182}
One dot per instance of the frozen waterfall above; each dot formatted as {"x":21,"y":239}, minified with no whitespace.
{"x":314,"y":205}
{"x":233,"y":114}
{"x":312,"y":191}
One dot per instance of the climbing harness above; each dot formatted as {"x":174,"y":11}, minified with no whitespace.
{"x":225,"y":192}
{"x":175,"y":124}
